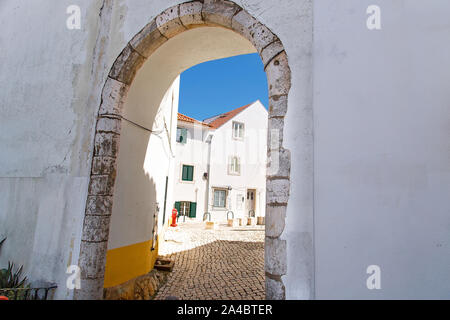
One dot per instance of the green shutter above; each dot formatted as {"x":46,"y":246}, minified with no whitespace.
{"x":188,"y":173}
{"x":191,"y":173}
{"x":193,"y":210}
{"x":184,"y":173}
{"x":178,"y":207}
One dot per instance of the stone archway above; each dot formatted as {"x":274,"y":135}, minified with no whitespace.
{"x":194,"y":14}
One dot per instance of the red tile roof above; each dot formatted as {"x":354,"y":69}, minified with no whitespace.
{"x":220,"y":120}
{"x":185,"y":118}
{"x":216,"y":121}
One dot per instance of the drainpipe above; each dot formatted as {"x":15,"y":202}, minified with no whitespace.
{"x":208,"y":170}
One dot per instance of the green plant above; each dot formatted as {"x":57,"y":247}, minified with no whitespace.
{"x":12,"y":277}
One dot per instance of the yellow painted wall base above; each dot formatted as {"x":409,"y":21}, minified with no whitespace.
{"x":126,"y":263}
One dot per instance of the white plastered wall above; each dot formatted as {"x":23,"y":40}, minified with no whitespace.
{"x":252,"y":151}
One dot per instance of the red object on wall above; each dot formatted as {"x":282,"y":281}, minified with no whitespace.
{"x":174,"y":218}
{"x":3,"y":298}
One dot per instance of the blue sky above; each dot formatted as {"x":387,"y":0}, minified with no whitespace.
{"x":222,"y":85}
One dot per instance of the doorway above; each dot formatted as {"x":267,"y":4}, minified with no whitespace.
{"x":146,"y":45}
{"x":250,"y":203}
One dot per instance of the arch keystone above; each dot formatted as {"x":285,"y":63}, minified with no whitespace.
{"x":191,"y":14}
{"x":169,"y":23}
{"x":219,"y":12}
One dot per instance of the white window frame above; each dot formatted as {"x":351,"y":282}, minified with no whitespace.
{"x":233,"y":162}
{"x":241,"y":130}
{"x":224,"y":199}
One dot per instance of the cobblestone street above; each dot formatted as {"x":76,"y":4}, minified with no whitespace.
{"x":226,"y":263}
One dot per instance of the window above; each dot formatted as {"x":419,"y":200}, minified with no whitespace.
{"x":185,"y":208}
{"x":234,"y":166}
{"x":238,"y":130}
{"x":187,"y":173}
{"x":181,"y":135}
{"x":220,"y":197}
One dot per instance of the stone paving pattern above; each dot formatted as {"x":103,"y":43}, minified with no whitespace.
{"x":226,"y":263}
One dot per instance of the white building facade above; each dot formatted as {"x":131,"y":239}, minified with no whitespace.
{"x":220,"y":165}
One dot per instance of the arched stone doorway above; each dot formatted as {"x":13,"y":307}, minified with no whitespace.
{"x":165,"y":26}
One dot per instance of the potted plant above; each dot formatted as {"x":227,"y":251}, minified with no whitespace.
{"x":12,"y":284}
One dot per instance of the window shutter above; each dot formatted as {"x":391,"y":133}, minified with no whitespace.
{"x":190,"y":173}
{"x":184,"y":173}
{"x":187,"y":173}
{"x":178,"y":206}
{"x":193,"y":210}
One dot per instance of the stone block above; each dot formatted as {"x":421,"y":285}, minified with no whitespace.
{"x":92,"y":259}
{"x":278,"y":191}
{"x":106,"y":145}
{"x":271,"y":51}
{"x":169,"y":23}
{"x":99,"y":205}
{"x":101,"y":185}
{"x":103,"y":165}
{"x":275,"y":220}
{"x":91,"y":289}
{"x":275,"y":289}
{"x":275,"y":256}
{"x":278,"y":106}
{"x":279,"y":163}
{"x":191,"y":14}
{"x":243,"y":23}
{"x":219,"y":12}
{"x":109,"y":125}
{"x":113,"y":97}
{"x":275,"y":133}
{"x":126,"y":66}
{"x":148,"y":40}
{"x":279,"y":75}
{"x":257,"y":33}
{"x":96,"y":228}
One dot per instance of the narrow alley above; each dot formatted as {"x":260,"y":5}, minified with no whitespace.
{"x":226,"y":263}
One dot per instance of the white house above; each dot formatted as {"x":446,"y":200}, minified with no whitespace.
{"x":220,"y":164}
